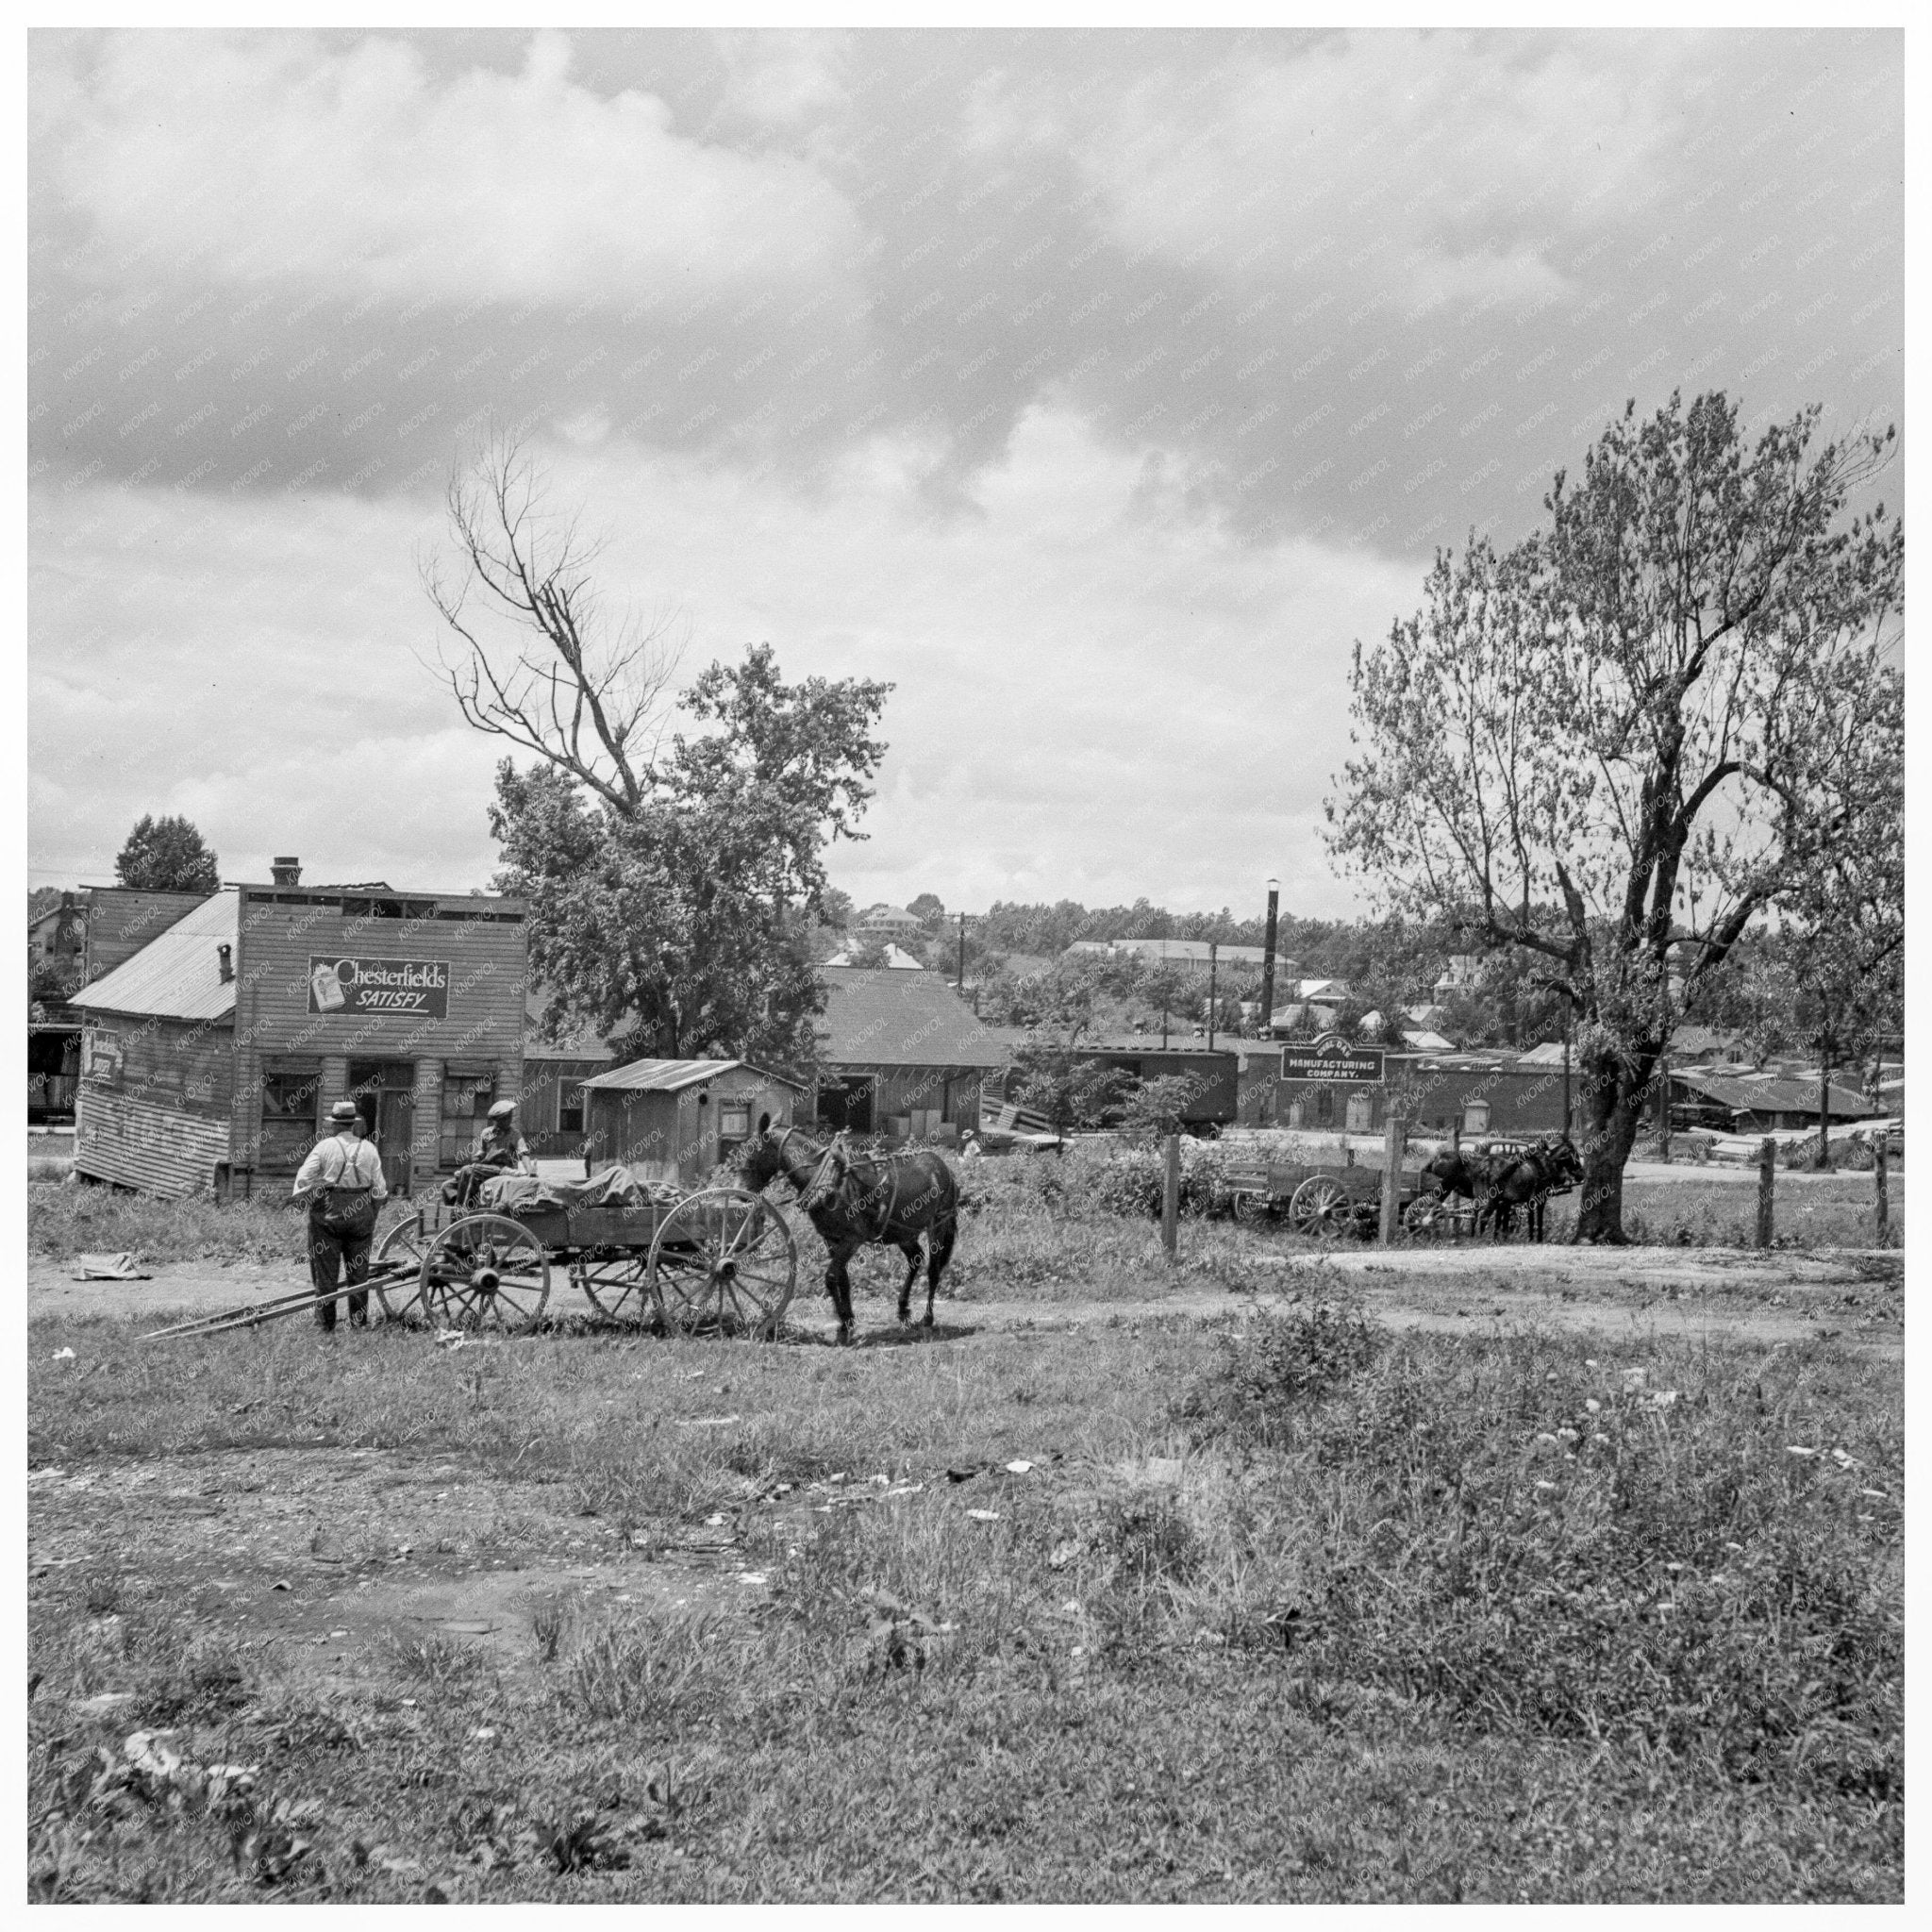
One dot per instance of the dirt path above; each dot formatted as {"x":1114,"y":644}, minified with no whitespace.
{"x":1854,"y":1296}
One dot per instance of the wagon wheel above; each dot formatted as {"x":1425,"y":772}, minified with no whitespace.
{"x":723,"y":1260}
{"x":405,"y":1243}
{"x":485,"y":1272}
{"x":619,"y":1287}
{"x":1250,"y":1206}
{"x":1424,"y":1217}
{"x":1320,"y":1206}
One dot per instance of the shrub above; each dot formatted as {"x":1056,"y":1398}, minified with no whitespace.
{"x":1132,"y":1183}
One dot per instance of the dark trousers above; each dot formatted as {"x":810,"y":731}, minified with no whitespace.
{"x":328,"y":1254}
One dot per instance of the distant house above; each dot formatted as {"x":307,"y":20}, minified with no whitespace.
{"x":887,"y":922}
{"x":1460,"y":973}
{"x":1701,"y":1046}
{"x":57,"y":939}
{"x":894,"y":1045}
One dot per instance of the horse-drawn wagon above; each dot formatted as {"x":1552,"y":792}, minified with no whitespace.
{"x":1323,"y":1199}
{"x":720,"y":1260}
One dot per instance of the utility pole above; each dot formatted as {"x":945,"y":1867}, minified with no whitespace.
{"x":962,"y":952}
{"x":1213,"y":956}
{"x":1268,"y":962}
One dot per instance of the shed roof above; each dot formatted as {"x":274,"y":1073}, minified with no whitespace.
{"x":1761,"y":1095}
{"x":177,"y":974}
{"x":673,"y":1077}
{"x":881,"y":1018}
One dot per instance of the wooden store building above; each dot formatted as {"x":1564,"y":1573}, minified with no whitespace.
{"x":214,"y":1047}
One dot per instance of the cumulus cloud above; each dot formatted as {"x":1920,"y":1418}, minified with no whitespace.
{"x":265,"y":157}
{"x":1099,"y":390}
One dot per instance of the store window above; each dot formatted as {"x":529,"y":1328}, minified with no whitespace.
{"x":291,"y":1102}
{"x":1324,"y":1106}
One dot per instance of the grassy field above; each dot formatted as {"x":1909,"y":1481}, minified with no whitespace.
{"x":1282,"y":1606}
{"x":1032,"y":1224}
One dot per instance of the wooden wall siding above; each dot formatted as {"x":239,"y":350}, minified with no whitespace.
{"x":186,"y":1065}
{"x":954,"y":1090}
{"x":486,"y":956}
{"x":545,"y":1081}
{"x":668,"y":1136}
{"x":139,"y":1143}
{"x":426,"y":1126}
{"x":119,"y":922}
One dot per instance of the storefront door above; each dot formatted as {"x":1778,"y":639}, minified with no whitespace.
{"x":385,"y":1095}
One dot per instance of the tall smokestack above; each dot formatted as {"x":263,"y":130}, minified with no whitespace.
{"x":1268,"y":962}
{"x":284,"y":872}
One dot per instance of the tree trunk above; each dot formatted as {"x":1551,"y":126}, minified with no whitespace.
{"x":1823,"y":1156}
{"x":1612,"y":1102}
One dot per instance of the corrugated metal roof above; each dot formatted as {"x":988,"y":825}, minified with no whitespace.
{"x":177,"y":974}
{"x":1761,"y":1095}
{"x":886,"y":1019}
{"x":671,"y":1076}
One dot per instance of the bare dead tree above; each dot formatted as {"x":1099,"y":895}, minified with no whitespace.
{"x":541,"y":664}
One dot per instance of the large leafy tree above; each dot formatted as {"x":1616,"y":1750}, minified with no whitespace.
{"x":1662,"y":716}
{"x":672,"y":851}
{"x":1836,"y":964}
{"x":167,"y":855}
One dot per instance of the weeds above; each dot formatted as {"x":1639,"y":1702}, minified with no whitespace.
{"x":1357,"y":1614}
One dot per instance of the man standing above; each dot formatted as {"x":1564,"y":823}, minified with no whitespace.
{"x":501,"y":1145}
{"x":342,"y":1187}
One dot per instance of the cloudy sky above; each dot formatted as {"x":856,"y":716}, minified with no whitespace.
{"x":1099,"y":390}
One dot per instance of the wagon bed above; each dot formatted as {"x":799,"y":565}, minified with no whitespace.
{"x":719,"y":1260}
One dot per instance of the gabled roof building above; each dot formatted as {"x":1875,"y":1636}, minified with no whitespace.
{"x":898,"y":1046}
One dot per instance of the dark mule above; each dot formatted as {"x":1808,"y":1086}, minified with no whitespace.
{"x":1454,"y":1172}
{"x":853,"y":1200}
{"x":1528,"y":1180}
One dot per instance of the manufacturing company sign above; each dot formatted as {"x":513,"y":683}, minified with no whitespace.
{"x":418,"y":987}
{"x":1357,"y":1066}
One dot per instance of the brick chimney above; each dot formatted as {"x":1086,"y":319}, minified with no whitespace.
{"x":284,"y":872}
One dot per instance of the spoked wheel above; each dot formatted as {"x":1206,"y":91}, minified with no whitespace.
{"x":1424,"y":1217}
{"x":485,"y":1272}
{"x":722,"y":1262}
{"x":618,"y":1288}
{"x":405,"y":1243}
{"x":1250,"y":1208}
{"x":1320,"y":1207}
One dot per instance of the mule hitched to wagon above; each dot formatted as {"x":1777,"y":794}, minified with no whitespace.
{"x":1323,"y":1199}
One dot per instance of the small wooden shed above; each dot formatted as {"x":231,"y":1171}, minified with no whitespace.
{"x":675,"y":1120}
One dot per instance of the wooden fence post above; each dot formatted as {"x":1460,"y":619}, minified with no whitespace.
{"x":1171,"y":1198}
{"x":1767,"y":1178}
{"x":1881,"y":1204}
{"x":1392,"y":1177}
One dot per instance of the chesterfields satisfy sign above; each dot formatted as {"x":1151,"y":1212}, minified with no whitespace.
{"x":419,"y":986}
{"x":1357,"y":1065}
